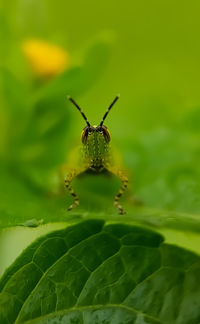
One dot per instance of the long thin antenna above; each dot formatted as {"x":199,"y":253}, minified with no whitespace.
{"x":104,"y":117}
{"x":82,"y":113}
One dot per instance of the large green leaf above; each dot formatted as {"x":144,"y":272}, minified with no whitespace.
{"x":97,"y":273}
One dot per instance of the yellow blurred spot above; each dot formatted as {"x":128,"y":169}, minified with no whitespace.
{"x":46,"y":59}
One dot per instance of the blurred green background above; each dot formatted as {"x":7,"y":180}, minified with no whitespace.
{"x":149,"y":52}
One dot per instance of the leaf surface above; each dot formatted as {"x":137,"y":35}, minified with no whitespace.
{"x":93,"y":272}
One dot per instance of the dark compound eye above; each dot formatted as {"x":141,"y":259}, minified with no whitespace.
{"x":84,"y":134}
{"x":106,"y":133}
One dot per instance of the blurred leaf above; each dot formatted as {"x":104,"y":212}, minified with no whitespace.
{"x":49,"y":125}
{"x":35,"y":137}
{"x":92,"y":272}
{"x":37,"y":144}
{"x":77,"y":80}
{"x":165,"y":166}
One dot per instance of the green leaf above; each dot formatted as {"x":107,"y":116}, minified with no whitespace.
{"x":102,"y":273}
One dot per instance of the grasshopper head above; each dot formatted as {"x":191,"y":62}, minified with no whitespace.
{"x":100,"y":131}
{"x":94,"y":131}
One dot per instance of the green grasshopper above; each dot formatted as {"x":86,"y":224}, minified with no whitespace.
{"x":96,"y":156}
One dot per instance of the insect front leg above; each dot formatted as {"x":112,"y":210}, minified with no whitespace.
{"x":71,"y":175}
{"x":124,"y":180}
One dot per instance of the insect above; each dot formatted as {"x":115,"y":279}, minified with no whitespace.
{"x":96,"y":156}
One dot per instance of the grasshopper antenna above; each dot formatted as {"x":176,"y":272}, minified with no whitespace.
{"x":113,"y":102}
{"x":77,"y":106}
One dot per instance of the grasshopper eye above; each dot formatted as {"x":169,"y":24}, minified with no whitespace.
{"x":84,"y":135}
{"x":106,"y":133}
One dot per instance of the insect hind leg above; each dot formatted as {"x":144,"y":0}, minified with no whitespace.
{"x":124,"y":180}
{"x":124,"y":185}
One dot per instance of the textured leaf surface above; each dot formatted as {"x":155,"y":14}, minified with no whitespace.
{"x":97,"y":273}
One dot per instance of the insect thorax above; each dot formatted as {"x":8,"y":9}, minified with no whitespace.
{"x":96,"y":152}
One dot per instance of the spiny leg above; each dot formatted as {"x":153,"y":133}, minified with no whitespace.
{"x":124,"y":181}
{"x":122,"y":189}
{"x":71,"y":175}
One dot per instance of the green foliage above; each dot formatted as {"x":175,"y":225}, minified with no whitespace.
{"x":96,"y":272}
{"x":38,"y":128}
{"x":102,"y":273}
{"x":35,"y":129}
